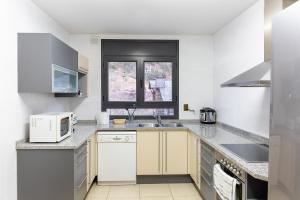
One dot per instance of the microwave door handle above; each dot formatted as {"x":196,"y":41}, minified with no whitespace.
{"x":50,"y":125}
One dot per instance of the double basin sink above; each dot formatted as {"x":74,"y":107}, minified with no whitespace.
{"x":156,"y":125}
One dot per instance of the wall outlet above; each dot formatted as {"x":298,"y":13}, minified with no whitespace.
{"x":185,"y":107}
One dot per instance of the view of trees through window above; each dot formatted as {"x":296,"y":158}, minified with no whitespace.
{"x":158,"y":81}
{"x":122,"y":81}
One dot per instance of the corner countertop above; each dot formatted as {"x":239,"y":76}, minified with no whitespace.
{"x":213,"y":135}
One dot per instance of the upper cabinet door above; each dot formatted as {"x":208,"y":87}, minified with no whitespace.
{"x":175,"y":152}
{"x":83,"y":64}
{"x":63,"y":55}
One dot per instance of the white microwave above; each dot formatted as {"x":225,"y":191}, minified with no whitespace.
{"x":50,"y":127}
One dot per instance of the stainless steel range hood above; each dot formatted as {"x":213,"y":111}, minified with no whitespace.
{"x":259,"y":75}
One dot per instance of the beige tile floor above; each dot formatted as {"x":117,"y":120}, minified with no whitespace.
{"x":144,"y":192}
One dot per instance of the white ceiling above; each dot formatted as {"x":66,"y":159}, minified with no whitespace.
{"x":143,"y":16}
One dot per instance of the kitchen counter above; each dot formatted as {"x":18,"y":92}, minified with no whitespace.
{"x":213,"y":135}
{"x":81,"y":135}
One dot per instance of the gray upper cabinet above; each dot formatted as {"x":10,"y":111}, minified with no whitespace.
{"x":63,"y":55}
{"x":37,"y":54}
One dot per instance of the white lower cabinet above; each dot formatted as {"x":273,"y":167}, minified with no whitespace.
{"x":194,"y":158}
{"x":91,"y":160}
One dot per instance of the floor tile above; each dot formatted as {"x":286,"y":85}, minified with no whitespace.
{"x":188,"y":198}
{"x":99,"y":191}
{"x":179,"y":190}
{"x":123,"y":198}
{"x":92,"y":197}
{"x":156,"y":198}
{"x":155,"y":190}
{"x":132,"y":191}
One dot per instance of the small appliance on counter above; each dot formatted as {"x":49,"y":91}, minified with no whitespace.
{"x":208,"y":116}
{"x":51,"y":127}
{"x":102,"y":118}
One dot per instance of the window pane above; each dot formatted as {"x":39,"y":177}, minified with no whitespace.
{"x":143,"y":112}
{"x":122,"y":81}
{"x":158,"y":81}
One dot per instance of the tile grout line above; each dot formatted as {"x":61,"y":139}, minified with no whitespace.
{"x":171,"y":191}
{"x":107,"y":197}
{"x":139,"y":191}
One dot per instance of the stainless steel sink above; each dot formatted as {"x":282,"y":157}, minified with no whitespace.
{"x":155,"y":125}
{"x":171,"y":125}
{"x":148,"y":125}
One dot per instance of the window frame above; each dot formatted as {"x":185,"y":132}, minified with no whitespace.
{"x":140,"y":90}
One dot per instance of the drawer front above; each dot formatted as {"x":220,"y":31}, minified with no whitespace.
{"x":207,"y":190}
{"x":80,"y":164}
{"x":81,"y":190}
{"x":80,"y":171}
{"x":207,"y":166}
{"x":80,"y":151}
{"x":207,"y":176}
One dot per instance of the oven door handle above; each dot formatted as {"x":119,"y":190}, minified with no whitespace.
{"x":238,"y":182}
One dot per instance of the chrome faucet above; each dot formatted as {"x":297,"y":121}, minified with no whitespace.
{"x":158,"y":118}
{"x":131,"y":116}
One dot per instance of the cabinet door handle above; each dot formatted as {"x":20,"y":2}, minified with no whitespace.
{"x":50,"y":126}
{"x":159,"y":152}
{"x":90,"y":158}
{"x":197,"y":160}
{"x":166,"y":149}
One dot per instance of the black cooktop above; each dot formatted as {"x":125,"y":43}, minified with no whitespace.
{"x":249,"y":152}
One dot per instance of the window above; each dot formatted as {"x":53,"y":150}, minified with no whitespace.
{"x":143,"y":73}
{"x":122,"y":81}
{"x":158,"y":81}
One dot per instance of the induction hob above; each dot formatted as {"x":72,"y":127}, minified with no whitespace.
{"x":249,"y":152}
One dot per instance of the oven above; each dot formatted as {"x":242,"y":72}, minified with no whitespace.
{"x":232,"y":170}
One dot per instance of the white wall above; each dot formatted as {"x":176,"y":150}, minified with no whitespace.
{"x":19,"y":16}
{"x":238,"y":47}
{"x":195,"y":72}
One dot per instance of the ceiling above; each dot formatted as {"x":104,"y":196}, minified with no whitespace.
{"x":143,"y":16}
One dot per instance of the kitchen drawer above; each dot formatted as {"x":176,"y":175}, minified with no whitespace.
{"x":80,"y":171}
{"x":207,"y":190}
{"x":207,"y":166}
{"x":207,"y":176}
{"x":205,"y":147}
{"x":81,"y":190}
{"x":207,"y":156}
{"x":80,"y":153}
{"x":209,"y":159}
{"x":81,"y":149}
